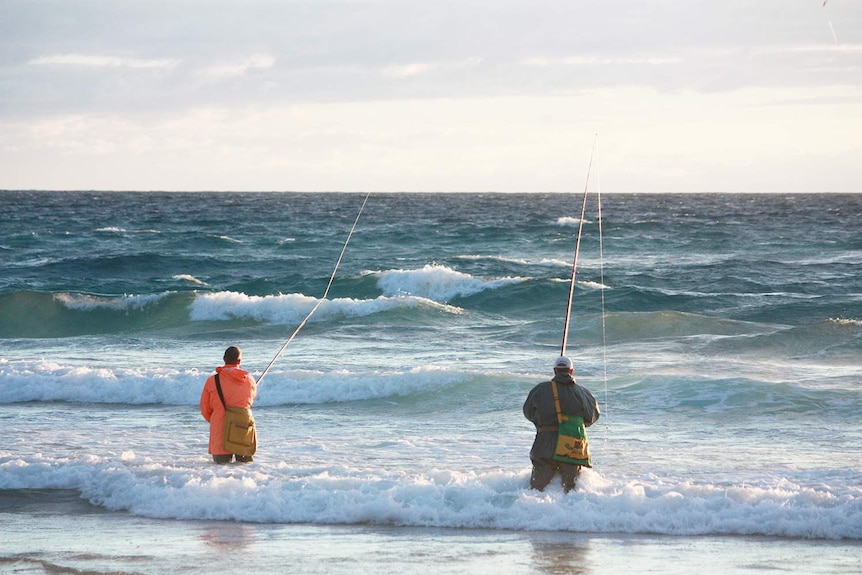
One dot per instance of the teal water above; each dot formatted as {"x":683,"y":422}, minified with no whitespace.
{"x":727,"y":362}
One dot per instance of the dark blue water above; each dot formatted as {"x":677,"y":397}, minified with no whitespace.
{"x":766,"y":258}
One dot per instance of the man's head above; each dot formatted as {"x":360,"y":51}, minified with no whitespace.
{"x":563,"y":365}
{"x":232,"y":355}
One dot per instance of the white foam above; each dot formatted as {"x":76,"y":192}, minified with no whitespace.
{"x":89,"y":302}
{"x":119,"y":230}
{"x":570,"y":221}
{"x":437,"y":282}
{"x":585,"y":284}
{"x":290,"y":309}
{"x":592,"y":284}
{"x":500,"y":499}
{"x":190,"y":278}
{"x":48,"y":381}
{"x":226,"y":238}
{"x":541,"y":262}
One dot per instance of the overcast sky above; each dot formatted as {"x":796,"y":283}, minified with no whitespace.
{"x":425,"y":95}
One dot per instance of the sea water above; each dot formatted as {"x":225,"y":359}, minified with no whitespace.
{"x":721,"y":335}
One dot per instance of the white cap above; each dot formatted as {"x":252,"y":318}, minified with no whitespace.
{"x":563,"y":362}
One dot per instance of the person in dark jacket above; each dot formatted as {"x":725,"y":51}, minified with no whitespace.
{"x":540,"y":408}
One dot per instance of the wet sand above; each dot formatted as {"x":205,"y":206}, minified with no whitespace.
{"x":64,"y":534}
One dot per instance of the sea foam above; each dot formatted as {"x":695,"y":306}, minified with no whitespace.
{"x":290,"y":309}
{"x":88,"y":302}
{"x":49,"y":381}
{"x":333,"y":494}
{"x":436,"y":282}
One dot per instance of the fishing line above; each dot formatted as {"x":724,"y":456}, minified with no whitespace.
{"x":602,"y":289}
{"x":577,"y":250}
{"x":325,"y":293}
{"x":831,"y":28}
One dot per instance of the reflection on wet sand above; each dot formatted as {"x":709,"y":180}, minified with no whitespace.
{"x":561,"y":553}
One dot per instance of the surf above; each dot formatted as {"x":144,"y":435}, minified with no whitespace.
{"x":490,"y":499}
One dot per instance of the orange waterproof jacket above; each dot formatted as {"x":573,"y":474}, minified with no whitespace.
{"x":239,"y":389}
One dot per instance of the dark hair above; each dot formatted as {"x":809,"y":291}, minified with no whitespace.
{"x":232,"y":355}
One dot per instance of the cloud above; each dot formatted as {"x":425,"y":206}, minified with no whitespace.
{"x":91,"y":61}
{"x":234,"y":69}
{"x":600,"y":61}
{"x":811,"y":49}
{"x":400,"y":94}
{"x":422,"y":68}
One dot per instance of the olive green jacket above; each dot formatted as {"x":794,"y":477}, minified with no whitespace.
{"x":539,"y":408}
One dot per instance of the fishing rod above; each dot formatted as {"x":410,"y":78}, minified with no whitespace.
{"x":577,"y":250}
{"x":601,"y":278}
{"x":325,"y":293}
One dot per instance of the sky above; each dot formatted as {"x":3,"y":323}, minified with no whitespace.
{"x":432,"y":96}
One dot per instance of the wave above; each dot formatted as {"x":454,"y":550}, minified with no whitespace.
{"x":225,"y":238}
{"x":87,"y":302}
{"x":735,"y":399}
{"x":119,"y":230}
{"x":518,"y":307}
{"x":45,"y":381}
{"x":44,"y":315}
{"x":191,"y":279}
{"x":833,"y":340}
{"x":290,"y":309}
{"x":541,"y":262}
{"x":681,"y":388}
{"x":437,"y":282}
{"x":335,"y":494}
{"x":845,"y":322}
{"x":628,"y":326}
{"x":568,"y":221}
{"x":30,"y":314}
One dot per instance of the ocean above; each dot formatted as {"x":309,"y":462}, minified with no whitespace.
{"x":721,"y":334}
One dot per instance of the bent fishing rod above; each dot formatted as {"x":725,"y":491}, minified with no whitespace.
{"x":601,"y":278}
{"x":325,"y":293}
{"x":577,"y":250}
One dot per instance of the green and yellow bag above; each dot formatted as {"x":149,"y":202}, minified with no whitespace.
{"x":572,"y":444}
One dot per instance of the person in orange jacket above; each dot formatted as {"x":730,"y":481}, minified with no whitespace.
{"x":239,"y":389}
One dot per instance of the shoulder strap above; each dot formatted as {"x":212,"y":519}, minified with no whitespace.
{"x":221,"y":395}
{"x":560,"y":417}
